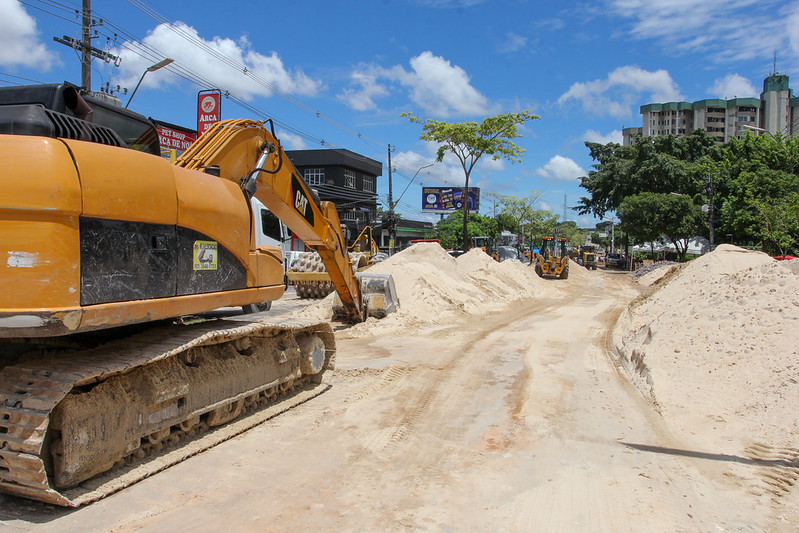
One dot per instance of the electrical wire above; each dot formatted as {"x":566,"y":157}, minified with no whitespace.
{"x":133,"y":45}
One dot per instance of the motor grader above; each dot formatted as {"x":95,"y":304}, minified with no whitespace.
{"x":104,"y":243}
{"x":552,"y":261}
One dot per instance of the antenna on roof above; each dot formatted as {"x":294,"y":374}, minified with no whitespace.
{"x":775,"y":63}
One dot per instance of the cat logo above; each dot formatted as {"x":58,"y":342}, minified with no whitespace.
{"x":301,"y":201}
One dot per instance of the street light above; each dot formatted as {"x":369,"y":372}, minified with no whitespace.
{"x":151,"y":68}
{"x":755,"y":128}
{"x":612,"y":221}
{"x":409,"y":184}
{"x":392,"y":224}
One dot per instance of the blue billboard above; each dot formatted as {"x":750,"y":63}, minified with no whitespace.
{"x":449,"y":199}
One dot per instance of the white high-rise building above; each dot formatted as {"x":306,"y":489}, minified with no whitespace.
{"x":776,"y":111}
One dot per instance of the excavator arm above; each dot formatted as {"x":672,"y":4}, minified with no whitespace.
{"x":229,"y":149}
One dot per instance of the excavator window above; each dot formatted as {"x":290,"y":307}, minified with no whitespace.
{"x":270,"y":225}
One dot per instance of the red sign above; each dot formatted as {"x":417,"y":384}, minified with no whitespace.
{"x":209,"y":110}
{"x":178,"y":140}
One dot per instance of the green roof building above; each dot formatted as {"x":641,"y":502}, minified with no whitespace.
{"x":776,"y":111}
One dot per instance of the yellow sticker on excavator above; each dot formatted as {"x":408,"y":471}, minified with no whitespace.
{"x":205,"y":254}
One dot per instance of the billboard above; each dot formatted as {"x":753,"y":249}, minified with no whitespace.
{"x":449,"y":199}
{"x":174,"y":138}
{"x":209,"y":109}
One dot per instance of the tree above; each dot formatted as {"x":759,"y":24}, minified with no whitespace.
{"x":448,"y":234}
{"x":758,"y":172}
{"x":653,"y":164}
{"x":469,"y":141}
{"x":567,"y":229}
{"x":542,"y":224}
{"x":779,"y":223}
{"x":516,"y":213}
{"x":647,"y":216}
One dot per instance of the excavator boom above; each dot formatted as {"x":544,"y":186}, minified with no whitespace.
{"x":275,"y":182}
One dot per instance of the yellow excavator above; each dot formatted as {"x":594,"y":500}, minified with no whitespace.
{"x":103,"y":244}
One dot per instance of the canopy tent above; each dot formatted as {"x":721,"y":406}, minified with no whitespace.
{"x":696,"y":246}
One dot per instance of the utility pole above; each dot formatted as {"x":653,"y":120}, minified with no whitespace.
{"x":86,"y":55}
{"x":710,"y":209}
{"x":392,"y":225}
{"x":86,"y":48}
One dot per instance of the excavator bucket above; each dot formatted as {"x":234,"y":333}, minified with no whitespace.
{"x":379,"y":293}
{"x":379,"y":296}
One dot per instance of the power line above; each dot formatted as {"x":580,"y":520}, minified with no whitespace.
{"x":20,"y":78}
{"x":138,"y":47}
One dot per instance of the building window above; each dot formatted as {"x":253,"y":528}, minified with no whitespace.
{"x":349,"y":179}
{"x":368,"y":184}
{"x":315,"y":176}
{"x":349,"y":215}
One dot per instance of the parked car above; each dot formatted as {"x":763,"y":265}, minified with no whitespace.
{"x":615,"y":260}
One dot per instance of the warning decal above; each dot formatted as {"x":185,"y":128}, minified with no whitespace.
{"x":205,"y":255}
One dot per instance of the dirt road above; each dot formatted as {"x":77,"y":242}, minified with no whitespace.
{"x":516,"y":421}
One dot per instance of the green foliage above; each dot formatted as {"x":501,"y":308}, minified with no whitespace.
{"x":448,"y":230}
{"x":779,"y":227}
{"x":656,"y":164}
{"x":647,"y":216}
{"x":751,"y":181}
{"x":516,"y":213}
{"x":469,"y":141}
{"x":569,"y":231}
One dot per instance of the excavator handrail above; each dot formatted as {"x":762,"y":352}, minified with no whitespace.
{"x":372,"y":246}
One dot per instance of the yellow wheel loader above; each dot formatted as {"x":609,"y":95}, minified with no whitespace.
{"x":553,"y":260}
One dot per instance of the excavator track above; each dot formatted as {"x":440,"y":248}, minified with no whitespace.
{"x":78,"y":426}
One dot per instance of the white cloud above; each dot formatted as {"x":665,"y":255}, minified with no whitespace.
{"x":614,"y":136}
{"x":19,"y":42}
{"x":289,"y":141}
{"x":227,"y":64}
{"x":733,"y":86}
{"x":433,"y":83}
{"x":513,"y":43}
{"x":561,"y":168}
{"x":792,"y":25}
{"x":615,"y":95}
{"x":727,"y":30}
{"x":370,"y":89}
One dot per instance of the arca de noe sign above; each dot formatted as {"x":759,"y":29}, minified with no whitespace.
{"x":209,"y":109}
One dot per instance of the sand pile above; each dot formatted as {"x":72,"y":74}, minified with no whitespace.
{"x":716,"y":348}
{"x":433,"y":287}
{"x":651,"y":274}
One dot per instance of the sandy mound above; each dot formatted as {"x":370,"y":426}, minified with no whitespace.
{"x":651,"y":274}
{"x":716,"y":348}
{"x":433,"y":287}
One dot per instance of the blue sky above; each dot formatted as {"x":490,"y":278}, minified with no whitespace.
{"x":338,"y":74}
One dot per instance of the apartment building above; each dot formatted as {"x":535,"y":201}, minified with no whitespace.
{"x":776,"y":111}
